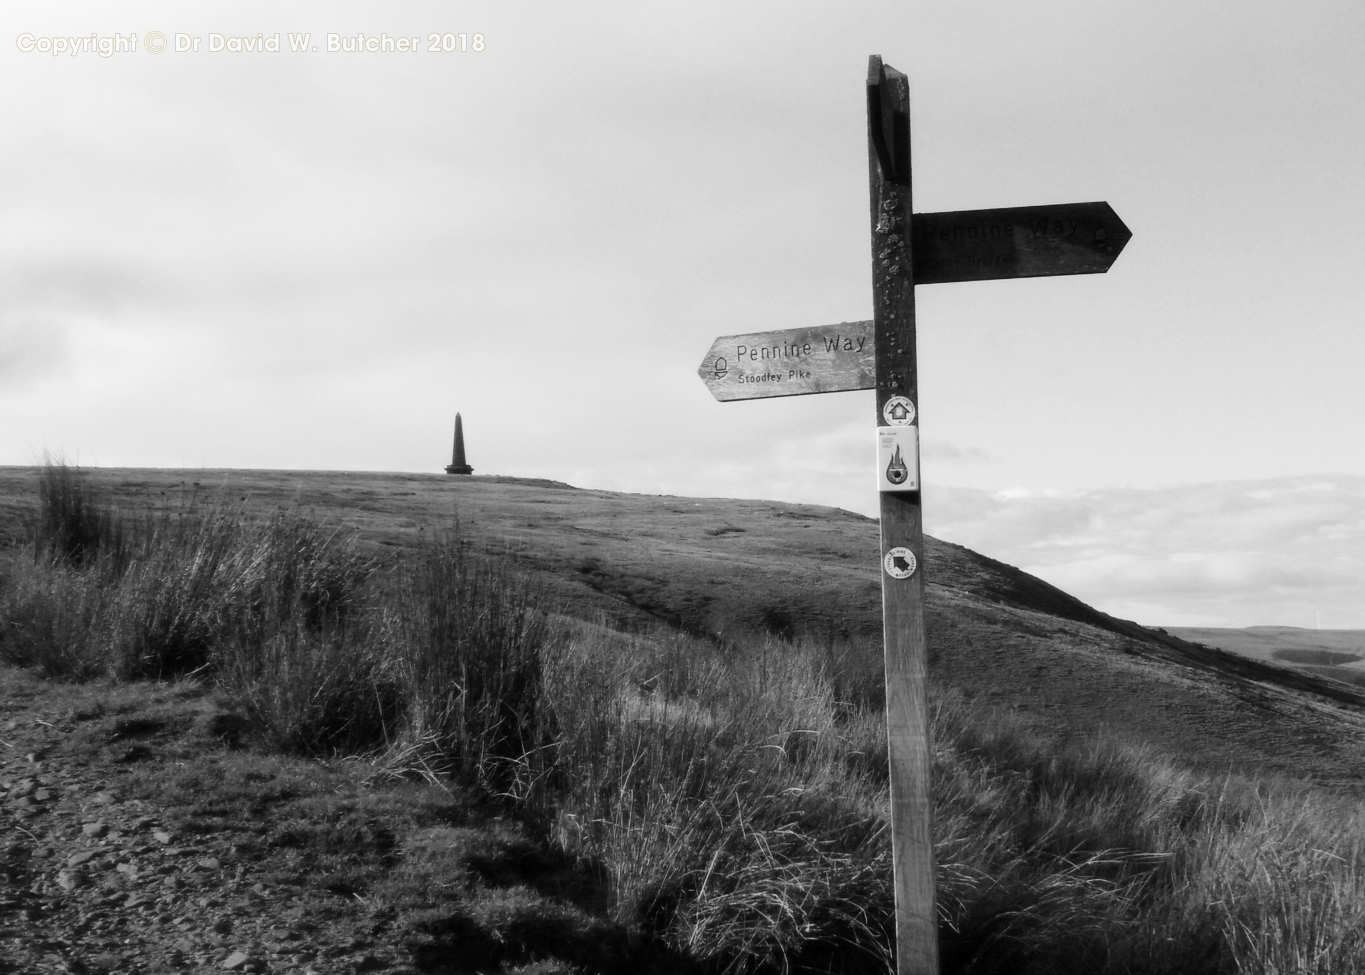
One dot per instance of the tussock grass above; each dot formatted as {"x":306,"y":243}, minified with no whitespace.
{"x":710,"y":787}
{"x":74,"y":525}
{"x":466,"y":642}
{"x":727,"y":801}
{"x":173,"y":591}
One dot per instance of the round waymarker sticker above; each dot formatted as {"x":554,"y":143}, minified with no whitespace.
{"x":899,"y":411}
{"x":899,"y":563}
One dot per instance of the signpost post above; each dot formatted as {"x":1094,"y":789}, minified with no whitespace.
{"x":908,"y":249}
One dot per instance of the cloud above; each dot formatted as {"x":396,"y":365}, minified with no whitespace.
{"x":42,"y":302}
{"x":30,"y":348}
{"x":1231,"y":553}
{"x":48,"y":307}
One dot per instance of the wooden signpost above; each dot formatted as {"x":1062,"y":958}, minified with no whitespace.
{"x":801,"y":360}
{"x":908,"y":249}
{"x":1016,"y":242}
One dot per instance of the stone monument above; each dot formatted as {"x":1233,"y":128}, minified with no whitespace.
{"x":457,"y":462}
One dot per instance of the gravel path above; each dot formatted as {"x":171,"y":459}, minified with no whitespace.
{"x":96,"y":882}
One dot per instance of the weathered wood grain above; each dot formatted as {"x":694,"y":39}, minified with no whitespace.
{"x":893,"y":287}
{"x":794,"y":362}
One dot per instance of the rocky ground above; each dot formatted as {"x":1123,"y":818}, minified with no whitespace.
{"x":96,"y":881}
{"x":134,"y":837}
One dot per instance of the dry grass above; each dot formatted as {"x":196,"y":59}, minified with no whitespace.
{"x":724,"y":802}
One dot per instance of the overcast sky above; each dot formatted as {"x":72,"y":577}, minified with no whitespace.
{"x":312,"y":260}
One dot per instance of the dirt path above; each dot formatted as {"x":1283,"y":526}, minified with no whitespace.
{"x":97,"y":879}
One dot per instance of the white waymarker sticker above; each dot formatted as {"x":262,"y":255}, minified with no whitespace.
{"x":899,"y":563}
{"x":899,"y":411}
{"x":898,"y":458}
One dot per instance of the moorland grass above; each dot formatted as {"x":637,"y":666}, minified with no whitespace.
{"x":731,"y":800}
{"x":74,"y":524}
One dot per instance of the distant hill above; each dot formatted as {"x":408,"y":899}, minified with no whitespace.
{"x":1335,"y":654}
{"x":738,"y":569}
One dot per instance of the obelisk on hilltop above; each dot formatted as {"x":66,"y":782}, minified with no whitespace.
{"x":457,"y":462}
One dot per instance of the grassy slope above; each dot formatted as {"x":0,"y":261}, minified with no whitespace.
{"x":732,"y":567}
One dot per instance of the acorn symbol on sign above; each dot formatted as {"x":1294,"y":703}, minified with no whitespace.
{"x":721,"y":368}
{"x":896,"y":471}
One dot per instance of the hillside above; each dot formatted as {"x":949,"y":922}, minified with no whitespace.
{"x":729,"y":568}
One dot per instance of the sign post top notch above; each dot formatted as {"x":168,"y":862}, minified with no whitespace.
{"x":881,"y":115}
